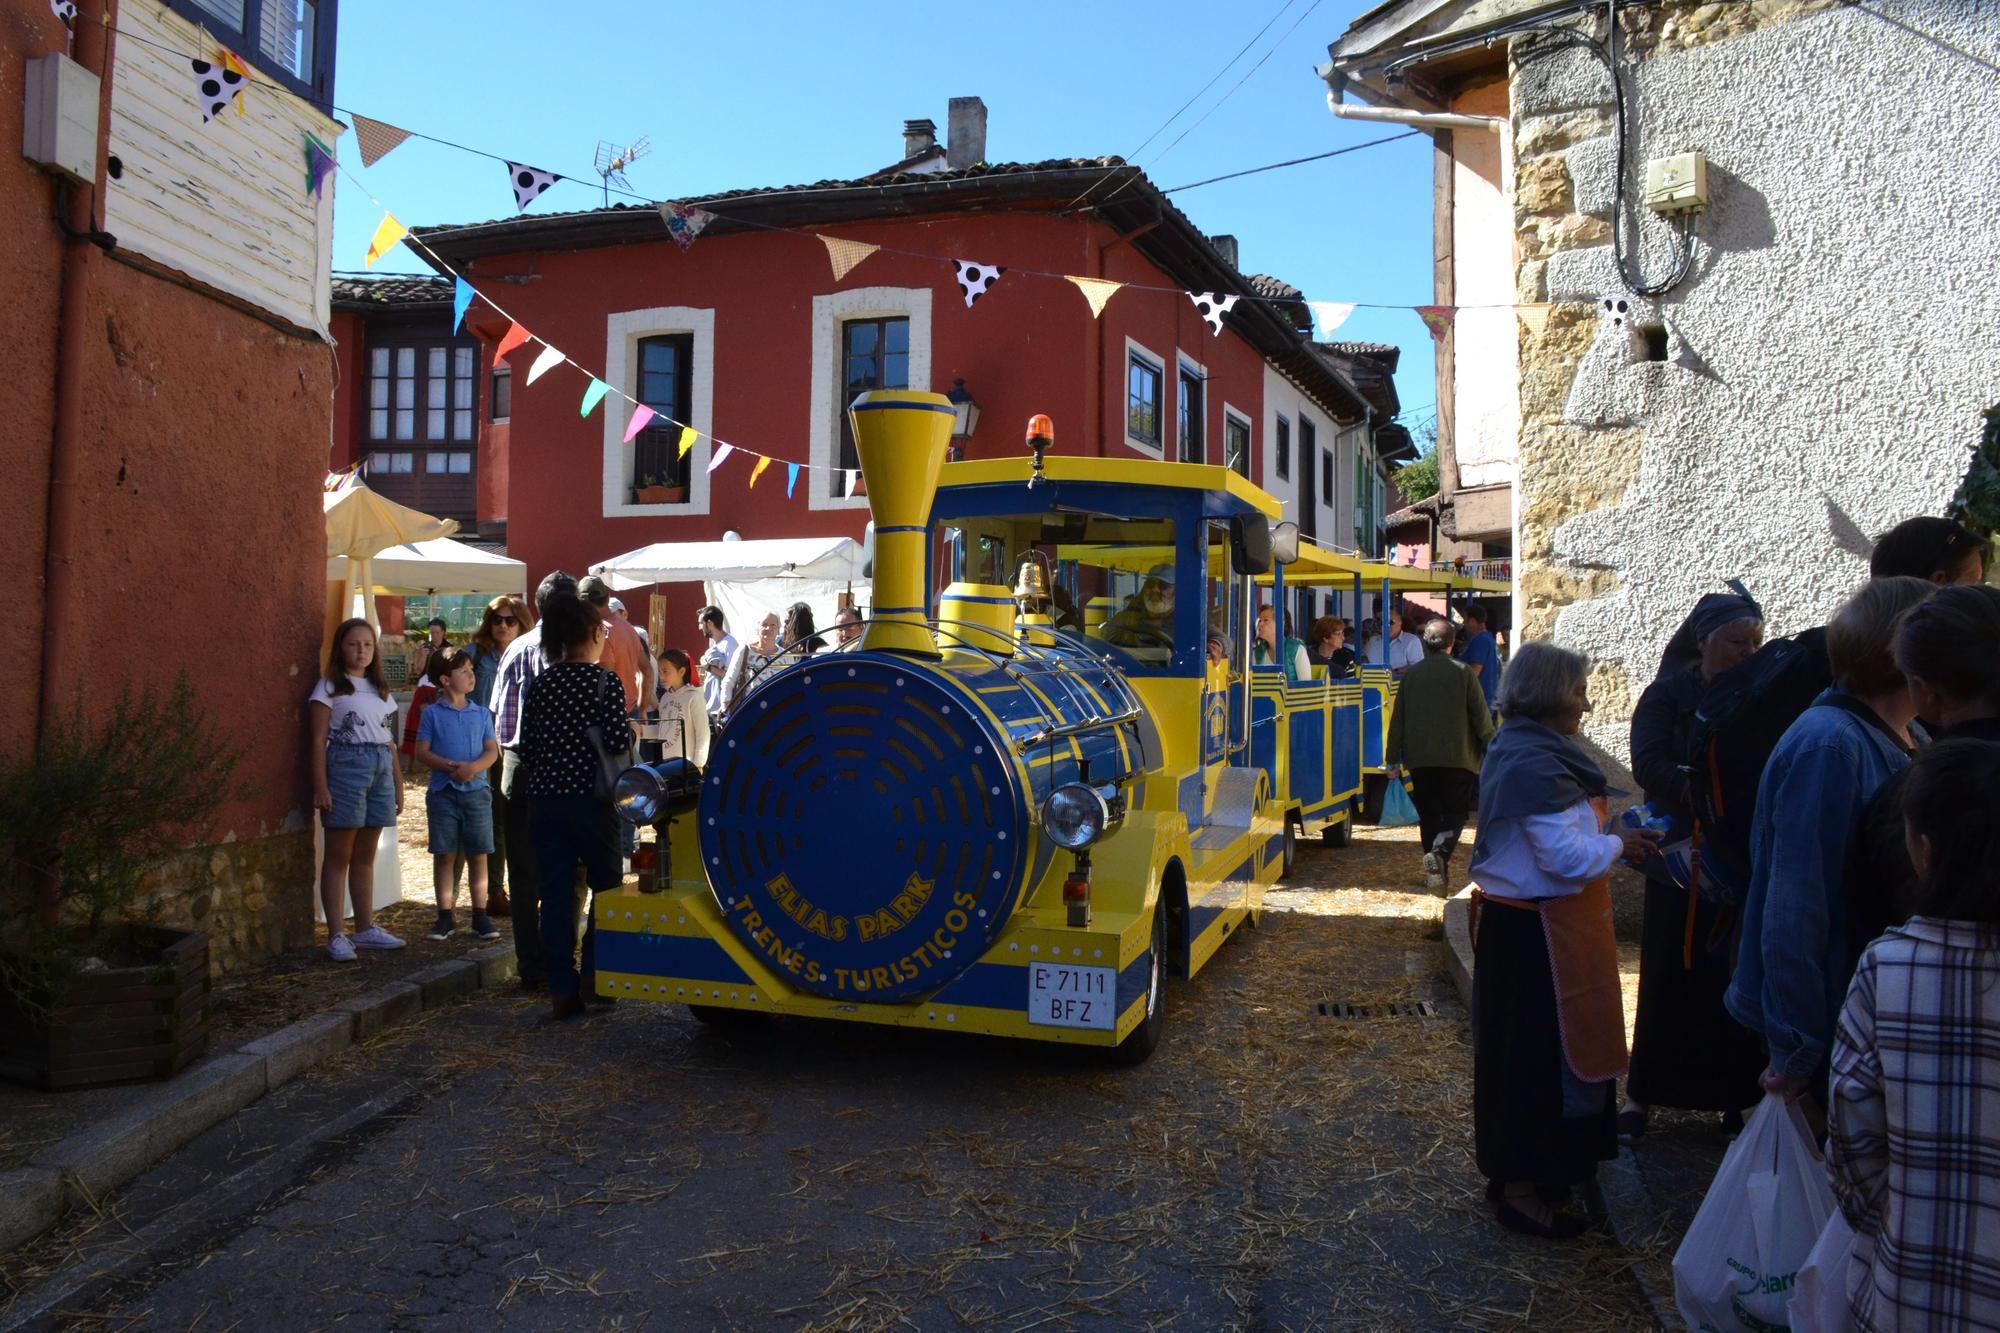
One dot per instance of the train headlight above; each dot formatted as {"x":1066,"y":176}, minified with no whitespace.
{"x":1077,"y":815}
{"x":645,"y":790}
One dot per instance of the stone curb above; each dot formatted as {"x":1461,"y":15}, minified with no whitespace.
{"x":81,"y":1168}
{"x":1624,"y":1201}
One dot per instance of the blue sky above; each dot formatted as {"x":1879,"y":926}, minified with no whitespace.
{"x":781,"y":92}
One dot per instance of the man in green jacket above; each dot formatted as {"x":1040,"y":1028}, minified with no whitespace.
{"x":1437,"y":733}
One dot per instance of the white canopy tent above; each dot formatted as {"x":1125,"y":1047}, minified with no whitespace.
{"x":748,"y":578}
{"x":440,"y":565}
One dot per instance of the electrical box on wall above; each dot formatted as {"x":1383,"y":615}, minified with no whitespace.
{"x":59,"y":126}
{"x":1677,"y":184}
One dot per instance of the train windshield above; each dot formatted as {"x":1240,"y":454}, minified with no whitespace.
{"x":1114,"y":580}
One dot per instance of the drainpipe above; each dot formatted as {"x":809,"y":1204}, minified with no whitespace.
{"x":1336,"y":94}
{"x":83,"y":231}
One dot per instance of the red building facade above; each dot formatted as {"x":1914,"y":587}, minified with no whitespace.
{"x":748,"y":337}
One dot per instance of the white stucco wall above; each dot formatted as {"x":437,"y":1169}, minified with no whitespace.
{"x":1485,"y":388}
{"x":1830,"y":356}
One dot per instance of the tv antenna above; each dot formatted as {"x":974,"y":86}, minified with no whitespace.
{"x":612,"y":161}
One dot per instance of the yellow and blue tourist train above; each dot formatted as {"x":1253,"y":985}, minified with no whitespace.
{"x":1015,"y":808}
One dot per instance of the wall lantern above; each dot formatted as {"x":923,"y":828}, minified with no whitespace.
{"x":964,"y":411}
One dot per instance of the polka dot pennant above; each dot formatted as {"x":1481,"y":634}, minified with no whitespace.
{"x":529,"y":183}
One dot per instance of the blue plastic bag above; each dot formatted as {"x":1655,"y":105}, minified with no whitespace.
{"x":1398,"y":810}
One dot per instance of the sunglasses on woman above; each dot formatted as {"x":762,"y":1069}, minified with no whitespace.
{"x":505,"y":620}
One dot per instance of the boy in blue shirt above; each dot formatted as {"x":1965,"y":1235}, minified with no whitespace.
{"x":455,"y":740}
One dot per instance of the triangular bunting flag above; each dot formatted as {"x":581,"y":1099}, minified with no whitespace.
{"x":528,"y":182}
{"x":974,"y":279}
{"x":721,"y":452}
{"x":1330,"y":315}
{"x":386,"y":235}
{"x":640,"y":417}
{"x":375,"y":138}
{"x":547,"y":360}
{"x":853,"y":480}
{"x":593,"y":395}
{"x":684,"y":222}
{"x":214,"y":85}
{"x":791,"y":479}
{"x":1535,"y":318}
{"x":234,"y":66}
{"x":512,"y":338}
{"x":319,"y":165}
{"x":844,"y":254}
{"x":1213,"y":308}
{"x":461,"y":301}
{"x":1436,"y":318}
{"x":66,"y":11}
{"x":685,"y":443}
{"x":1097,"y":291}
{"x":758,"y":471}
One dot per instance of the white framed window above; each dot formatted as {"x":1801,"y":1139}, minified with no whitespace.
{"x":1237,"y":438}
{"x":901,"y":313}
{"x":1191,"y":442}
{"x":1146,"y":427}
{"x":624,"y":331}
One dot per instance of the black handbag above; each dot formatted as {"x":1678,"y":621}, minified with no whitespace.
{"x":609,"y":765}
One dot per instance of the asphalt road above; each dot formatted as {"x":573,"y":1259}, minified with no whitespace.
{"x":1271,"y":1167}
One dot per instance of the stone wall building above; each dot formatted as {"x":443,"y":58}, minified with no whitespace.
{"x":1817,"y":373}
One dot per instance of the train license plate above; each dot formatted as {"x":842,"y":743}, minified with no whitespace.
{"x":1066,"y":996}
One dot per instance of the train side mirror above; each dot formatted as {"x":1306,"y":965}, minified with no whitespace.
{"x":1285,"y":542}
{"x":1250,"y":544}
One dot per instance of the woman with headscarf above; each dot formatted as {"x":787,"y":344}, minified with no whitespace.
{"x":1548,"y":1027}
{"x":1687,"y":1052}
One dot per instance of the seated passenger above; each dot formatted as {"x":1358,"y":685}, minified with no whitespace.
{"x":1147,"y":618}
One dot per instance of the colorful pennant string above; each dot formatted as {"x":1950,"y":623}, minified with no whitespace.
{"x":686,"y":442}
{"x":1097,"y":291}
{"x":461,"y":301}
{"x":1329,"y":315}
{"x":1534,"y":318}
{"x":791,"y":479}
{"x":1436,"y":318}
{"x":844,"y":254}
{"x":974,"y":279}
{"x":684,"y":222}
{"x":387,"y":234}
{"x":547,"y":360}
{"x":593,"y":395}
{"x":66,"y":11}
{"x":1213,"y":308}
{"x":722,"y":451}
{"x":512,"y":338}
{"x":376,"y":138}
{"x":763,"y":462}
{"x":640,"y":416}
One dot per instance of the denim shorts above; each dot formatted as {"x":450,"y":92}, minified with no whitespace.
{"x":461,"y":821}
{"x":362,"y":780}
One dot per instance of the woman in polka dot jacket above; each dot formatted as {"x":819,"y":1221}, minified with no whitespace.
{"x":566,"y":822}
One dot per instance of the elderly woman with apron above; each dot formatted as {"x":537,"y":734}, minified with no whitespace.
{"x":1548,"y":1026}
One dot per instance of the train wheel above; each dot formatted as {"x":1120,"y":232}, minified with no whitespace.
{"x":730,"y":1022}
{"x":1338,"y":833}
{"x":1144,"y":1038}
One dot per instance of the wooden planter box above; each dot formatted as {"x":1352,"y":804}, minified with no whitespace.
{"x":121,"y":1025}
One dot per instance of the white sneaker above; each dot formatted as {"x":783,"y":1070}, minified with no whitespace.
{"x":340,"y":949}
{"x":1433,"y":872}
{"x":376,"y":938}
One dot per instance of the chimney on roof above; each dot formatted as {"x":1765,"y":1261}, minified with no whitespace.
{"x":919,"y":136}
{"x":1226,"y":247}
{"x":965,"y":126}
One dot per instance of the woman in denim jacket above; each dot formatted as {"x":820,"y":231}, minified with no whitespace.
{"x":1792,"y":966}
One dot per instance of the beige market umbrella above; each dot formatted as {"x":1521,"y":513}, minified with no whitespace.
{"x":361,"y":524}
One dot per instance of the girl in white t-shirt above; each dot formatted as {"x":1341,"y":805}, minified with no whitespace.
{"x":355,"y":783}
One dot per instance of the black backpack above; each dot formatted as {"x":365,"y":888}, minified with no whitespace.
{"x":1746,"y":711}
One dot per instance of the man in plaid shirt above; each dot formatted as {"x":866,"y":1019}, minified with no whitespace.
{"x":1914,"y":1146}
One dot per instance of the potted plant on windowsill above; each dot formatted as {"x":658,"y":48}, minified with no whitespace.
{"x":655,"y":491}
{"x":93,"y":988}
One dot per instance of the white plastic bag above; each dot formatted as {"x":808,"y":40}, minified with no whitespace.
{"x":1762,"y":1216}
{"x":1829,"y":1276}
